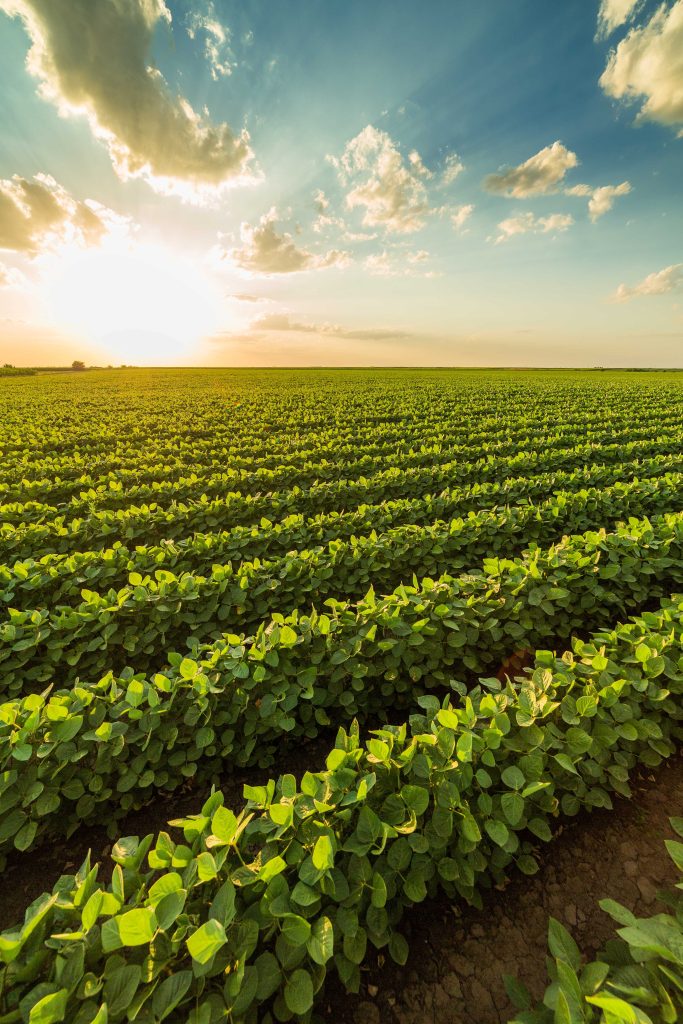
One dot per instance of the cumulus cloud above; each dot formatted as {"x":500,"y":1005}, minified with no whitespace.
{"x":538,"y":175}
{"x":613,"y":13}
{"x":265,"y":250}
{"x":524,"y":223}
{"x":658,"y":283}
{"x":282,"y":322}
{"x":93,"y":58}
{"x":38,"y":213}
{"x":216,"y":41}
{"x":390,"y":191}
{"x":600,"y":200}
{"x":647,"y":66}
{"x":460,"y":215}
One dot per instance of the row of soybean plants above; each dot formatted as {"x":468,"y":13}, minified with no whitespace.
{"x":36,"y":500}
{"x":55,"y":578}
{"x":244,"y":916}
{"x":67,"y":756}
{"x":217,"y":451}
{"x":78,"y":415}
{"x":45,"y":641}
{"x":27,"y":528}
{"x":180,"y":520}
{"x":65,"y":477}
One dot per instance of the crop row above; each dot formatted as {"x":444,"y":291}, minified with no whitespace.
{"x":55,"y":579}
{"x":65,"y":477}
{"x":138,"y":623}
{"x":342,"y":502}
{"x":251,"y":911}
{"x":53,"y":414}
{"x":68,"y":756}
{"x":325,"y":483}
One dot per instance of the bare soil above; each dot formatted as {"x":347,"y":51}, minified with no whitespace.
{"x":459,"y":955}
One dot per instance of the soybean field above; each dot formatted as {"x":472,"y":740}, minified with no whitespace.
{"x":307,"y":649}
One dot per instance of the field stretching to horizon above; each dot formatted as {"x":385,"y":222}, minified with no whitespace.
{"x":364,"y":638}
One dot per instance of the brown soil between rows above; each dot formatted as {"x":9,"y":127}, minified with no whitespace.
{"x":459,"y":955}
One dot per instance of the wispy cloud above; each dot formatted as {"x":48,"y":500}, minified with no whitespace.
{"x":399,"y":264}
{"x":283,"y":322}
{"x":660,"y":282}
{"x":460,"y":215}
{"x":94,"y":59}
{"x":525,"y":223}
{"x":216,"y":41}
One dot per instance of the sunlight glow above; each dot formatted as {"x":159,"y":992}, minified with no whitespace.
{"x":142,"y":303}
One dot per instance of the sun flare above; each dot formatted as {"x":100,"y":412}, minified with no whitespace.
{"x":141,"y":303}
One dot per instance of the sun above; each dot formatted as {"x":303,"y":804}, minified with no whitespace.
{"x":142,"y":303}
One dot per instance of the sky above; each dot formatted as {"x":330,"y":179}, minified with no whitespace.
{"x":318,"y":182}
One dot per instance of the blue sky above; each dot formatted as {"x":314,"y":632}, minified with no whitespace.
{"x":301,"y":183}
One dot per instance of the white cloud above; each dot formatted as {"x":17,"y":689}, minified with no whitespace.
{"x":524,"y":223}
{"x":216,"y":41}
{"x":538,"y":175}
{"x":391,"y":192}
{"x":93,"y":58}
{"x":460,"y":215}
{"x":603,"y":198}
{"x":453,"y":166}
{"x":614,"y":13}
{"x":648,"y":64}
{"x":600,"y":200}
{"x":38,"y":214}
{"x":658,"y":283}
{"x":265,"y":250}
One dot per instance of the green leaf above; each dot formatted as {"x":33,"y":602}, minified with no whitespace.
{"x":498,"y":831}
{"x":643,"y":652}
{"x":169,"y":994}
{"x":206,"y":941}
{"x":120,"y":987}
{"x":513,"y":807}
{"x":562,"y":945}
{"x":323,"y":854}
{"x":299,"y":992}
{"x":50,"y":1009}
{"x":512,"y":777}
{"x":296,"y":929}
{"x":136,"y":927}
{"x":416,"y":798}
{"x":320,"y":945}
{"x":188,"y":668}
{"x":398,"y":948}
